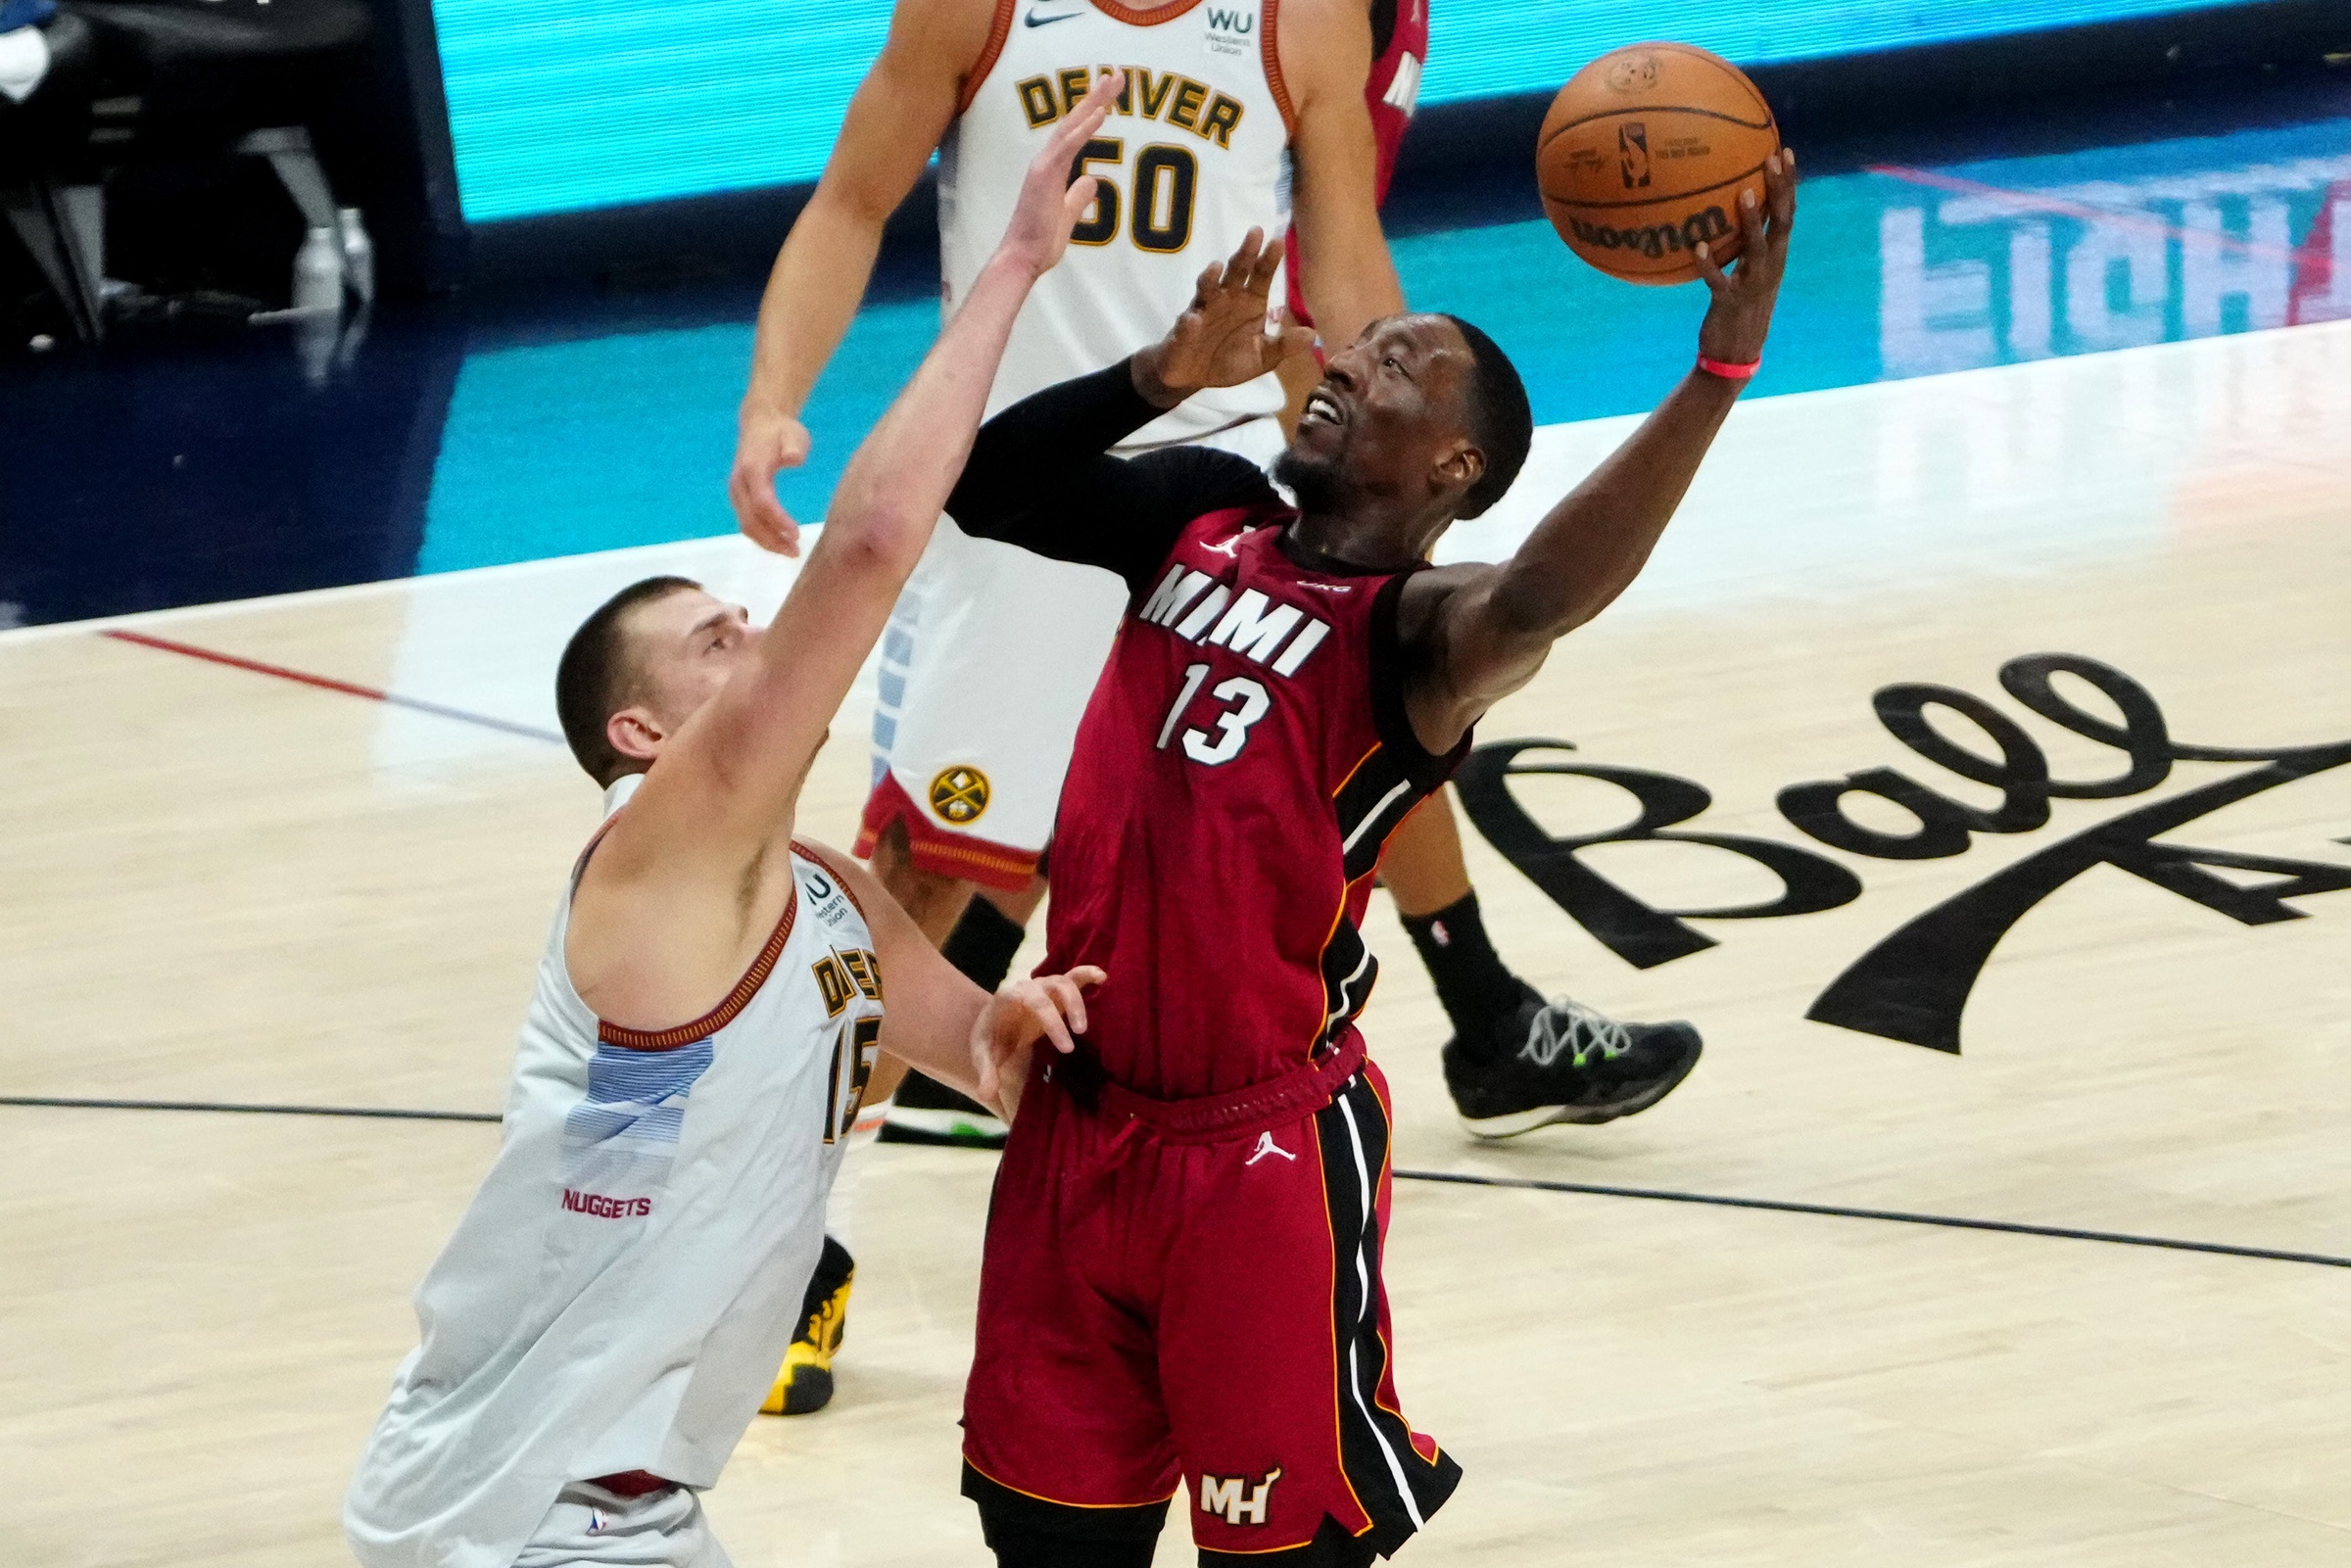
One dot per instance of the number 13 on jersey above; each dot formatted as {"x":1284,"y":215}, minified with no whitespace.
{"x":1245,"y":702}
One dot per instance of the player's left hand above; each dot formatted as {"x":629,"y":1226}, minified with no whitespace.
{"x":1222,"y":339}
{"x":1051,"y":202}
{"x":1048,"y":1007}
{"x":1739,"y":317}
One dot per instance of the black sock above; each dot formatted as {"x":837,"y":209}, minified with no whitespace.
{"x":1477,"y":989}
{"x":983,"y":944}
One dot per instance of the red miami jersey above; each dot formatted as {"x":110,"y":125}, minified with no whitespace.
{"x":1244,"y":758}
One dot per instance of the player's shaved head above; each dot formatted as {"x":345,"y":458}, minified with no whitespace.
{"x":1420,"y":420}
{"x":599,"y":673}
{"x":1497,"y":415}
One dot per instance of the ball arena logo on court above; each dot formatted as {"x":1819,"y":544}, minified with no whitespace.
{"x":600,"y":1207}
{"x":1913,"y":984}
{"x":1657,"y":238}
{"x":959,"y":794}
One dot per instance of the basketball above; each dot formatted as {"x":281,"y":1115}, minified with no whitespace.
{"x":1644,"y":154}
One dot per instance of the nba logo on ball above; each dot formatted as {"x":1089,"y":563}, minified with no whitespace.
{"x":1687,"y":133}
{"x":1632,"y":153}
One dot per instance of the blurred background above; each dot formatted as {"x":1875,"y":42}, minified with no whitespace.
{"x":302,"y":293}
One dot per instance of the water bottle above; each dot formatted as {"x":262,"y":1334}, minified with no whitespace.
{"x":359,"y":254}
{"x":319,"y":273}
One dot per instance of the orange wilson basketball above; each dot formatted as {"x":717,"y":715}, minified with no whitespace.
{"x":1644,"y":154}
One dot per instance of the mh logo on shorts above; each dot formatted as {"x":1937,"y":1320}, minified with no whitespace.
{"x":1240,"y":1503}
{"x":959,"y":794}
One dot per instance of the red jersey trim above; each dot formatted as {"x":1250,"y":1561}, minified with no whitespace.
{"x":719,"y":1017}
{"x":1391,"y":720}
{"x":1137,"y":19}
{"x":937,"y":851}
{"x":1270,"y":45}
{"x":579,"y":866}
{"x":1357,"y":767}
{"x":816,"y":857}
{"x":999,"y":29}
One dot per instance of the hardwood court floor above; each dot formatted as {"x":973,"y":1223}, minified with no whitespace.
{"x":226,"y":886}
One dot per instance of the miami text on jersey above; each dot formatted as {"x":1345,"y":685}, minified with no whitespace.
{"x":1253,"y":626}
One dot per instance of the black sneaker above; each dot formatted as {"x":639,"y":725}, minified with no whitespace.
{"x":803,"y":1384}
{"x":925,"y":1111}
{"x":1571,"y":1065}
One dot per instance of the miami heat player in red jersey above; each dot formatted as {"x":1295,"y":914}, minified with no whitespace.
{"x":1182,"y":1289}
{"x":1234,"y":758}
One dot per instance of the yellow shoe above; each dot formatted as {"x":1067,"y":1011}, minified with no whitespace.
{"x":805,"y":1384}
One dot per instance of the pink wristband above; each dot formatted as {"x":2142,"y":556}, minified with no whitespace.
{"x":1729,"y":372}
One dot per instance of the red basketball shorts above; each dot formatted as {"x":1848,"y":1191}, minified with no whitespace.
{"x":1167,"y":1312}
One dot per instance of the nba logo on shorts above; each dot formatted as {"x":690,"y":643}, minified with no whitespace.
{"x":1632,"y":149}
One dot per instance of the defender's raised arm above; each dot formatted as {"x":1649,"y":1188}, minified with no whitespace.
{"x":709,"y":830}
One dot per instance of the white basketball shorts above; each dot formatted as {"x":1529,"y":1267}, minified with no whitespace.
{"x":986,"y":668}
{"x":589,"y":1525}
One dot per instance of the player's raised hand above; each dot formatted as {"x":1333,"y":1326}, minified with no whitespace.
{"x":1048,"y":1007}
{"x":766,"y":442}
{"x":1739,"y":317}
{"x":1051,"y":200}
{"x":1222,"y":338}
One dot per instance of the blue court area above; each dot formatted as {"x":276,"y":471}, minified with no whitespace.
{"x":451,"y":439}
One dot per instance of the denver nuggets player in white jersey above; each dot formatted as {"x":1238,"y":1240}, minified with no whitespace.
{"x":599,"y":1331}
{"x":1193,"y":155}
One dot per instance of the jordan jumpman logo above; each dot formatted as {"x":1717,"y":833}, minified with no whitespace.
{"x":1266,"y":1146}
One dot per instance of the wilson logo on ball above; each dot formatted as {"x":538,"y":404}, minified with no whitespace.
{"x":1658,"y":239}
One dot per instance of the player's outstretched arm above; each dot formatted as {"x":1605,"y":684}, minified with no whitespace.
{"x":1482,"y":632}
{"x":1040,"y":476}
{"x":898,"y":115}
{"x":1345,"y":271}
{"x":710,"y":823}
{"x":939,"y":1021}
{"x":761,"y":732}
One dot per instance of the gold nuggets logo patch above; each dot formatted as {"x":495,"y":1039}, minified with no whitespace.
{"x":959,"y":794}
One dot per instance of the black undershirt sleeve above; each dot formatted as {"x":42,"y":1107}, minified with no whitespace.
{"x":1040,"y":476}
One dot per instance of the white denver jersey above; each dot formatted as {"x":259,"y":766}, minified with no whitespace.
{"x":624,"y":1284}
{"x":1190,"y":161}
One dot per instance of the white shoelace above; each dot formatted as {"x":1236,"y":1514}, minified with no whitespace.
{"x":1567,"y":1024}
